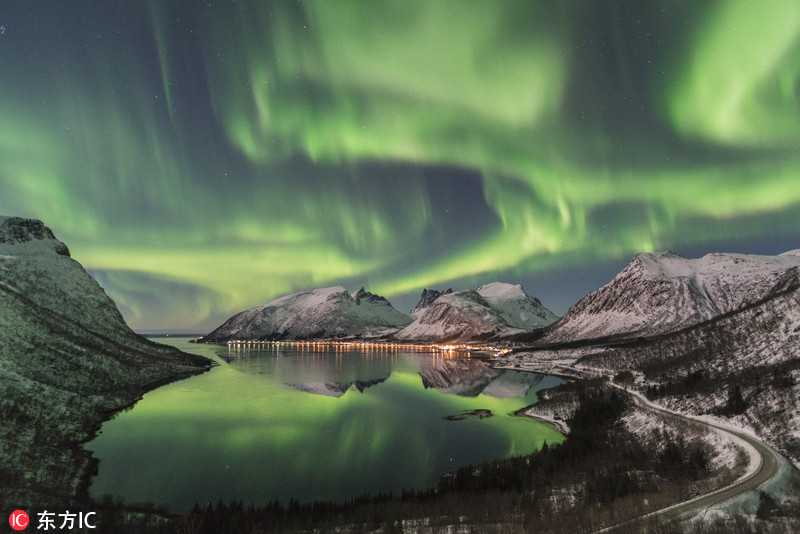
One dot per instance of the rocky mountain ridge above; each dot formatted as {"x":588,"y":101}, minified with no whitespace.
{"x":734,"y":358}
{"x":657,"y":293}
{"x":326,"y":313}
{"x":492,"y":311}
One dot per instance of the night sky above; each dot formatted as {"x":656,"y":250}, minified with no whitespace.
{"x":200,"y":158}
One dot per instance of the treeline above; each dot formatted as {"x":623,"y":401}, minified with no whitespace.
{"x":702,"y":381}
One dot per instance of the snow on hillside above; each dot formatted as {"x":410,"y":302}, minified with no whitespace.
{"x":459,"y":316}
{"x":516,"y":307}
{"x":694,"y":370}
{"x":756,"y":349}
{"x":36,"y":265}
{"x":494,"y":310}
{"x":326,"y":313}
{"x":663,"y":292}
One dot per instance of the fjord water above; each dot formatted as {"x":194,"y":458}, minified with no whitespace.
{"x":311,"y":423}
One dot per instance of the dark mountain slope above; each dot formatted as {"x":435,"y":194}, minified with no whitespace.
{"x":67,"y":361}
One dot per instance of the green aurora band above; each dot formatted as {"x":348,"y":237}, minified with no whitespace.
{"x":201,"y":160}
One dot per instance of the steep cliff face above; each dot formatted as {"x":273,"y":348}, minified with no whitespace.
{"x":328,"y":313}
{"x":37,"y":267}
{"x":17,"y":230}
{"x":664,"y":292}
{"x":67,"y":360}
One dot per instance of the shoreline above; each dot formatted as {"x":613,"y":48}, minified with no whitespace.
{"x":560,"y":425}
{"x":109,"y":414}
{"x":94,"y":427}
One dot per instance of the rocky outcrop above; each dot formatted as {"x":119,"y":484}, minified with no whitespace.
{"x":16,"y":230}
{"x":426,"y":299}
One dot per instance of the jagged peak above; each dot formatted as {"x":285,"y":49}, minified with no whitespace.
{"x":650,"y":258}
{"x":428,"y":292}
{"x":363,"y":294}
{"x":428,"y":297}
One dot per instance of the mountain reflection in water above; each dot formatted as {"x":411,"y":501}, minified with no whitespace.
{"x":313,"y":424}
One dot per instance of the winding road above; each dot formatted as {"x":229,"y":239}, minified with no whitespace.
{"x":764,"y":460}
{"x":761,"y":470}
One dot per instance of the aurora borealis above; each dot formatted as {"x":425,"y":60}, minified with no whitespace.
{"x":200,"y":158}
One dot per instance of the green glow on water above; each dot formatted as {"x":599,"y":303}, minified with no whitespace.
{"x":240,"y":431}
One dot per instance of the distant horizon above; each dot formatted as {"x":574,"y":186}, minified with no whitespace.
{"x":410,"y":298}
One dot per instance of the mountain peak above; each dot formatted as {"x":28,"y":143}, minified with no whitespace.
{"x":663,"y":292}
{"x":518,"y":308}
{"x":427,"y":298}
{"x":501,"y":290}
{"x":21,"y":231}
{"x":364,"y":295}
{"x":493,"y":310}
{"x":325,"y":313}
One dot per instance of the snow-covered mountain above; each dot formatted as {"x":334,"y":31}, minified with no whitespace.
{"x":516,"y":307}
{"x":48,"y":303}
{"x":755,"y":349}
{"x":426,"y":299}
{"x":67,"y":360}
{"x":36,"y":267}
{"x":493,"y":310}
{"x":328,"y":313}
{"x":664,"y":292}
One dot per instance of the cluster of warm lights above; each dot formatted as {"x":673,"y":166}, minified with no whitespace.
{"x":369,"y":345}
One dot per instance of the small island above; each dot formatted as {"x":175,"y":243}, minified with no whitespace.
{"x":471,"y":414}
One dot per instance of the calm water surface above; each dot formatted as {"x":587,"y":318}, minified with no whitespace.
{"x":292,"y":421}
